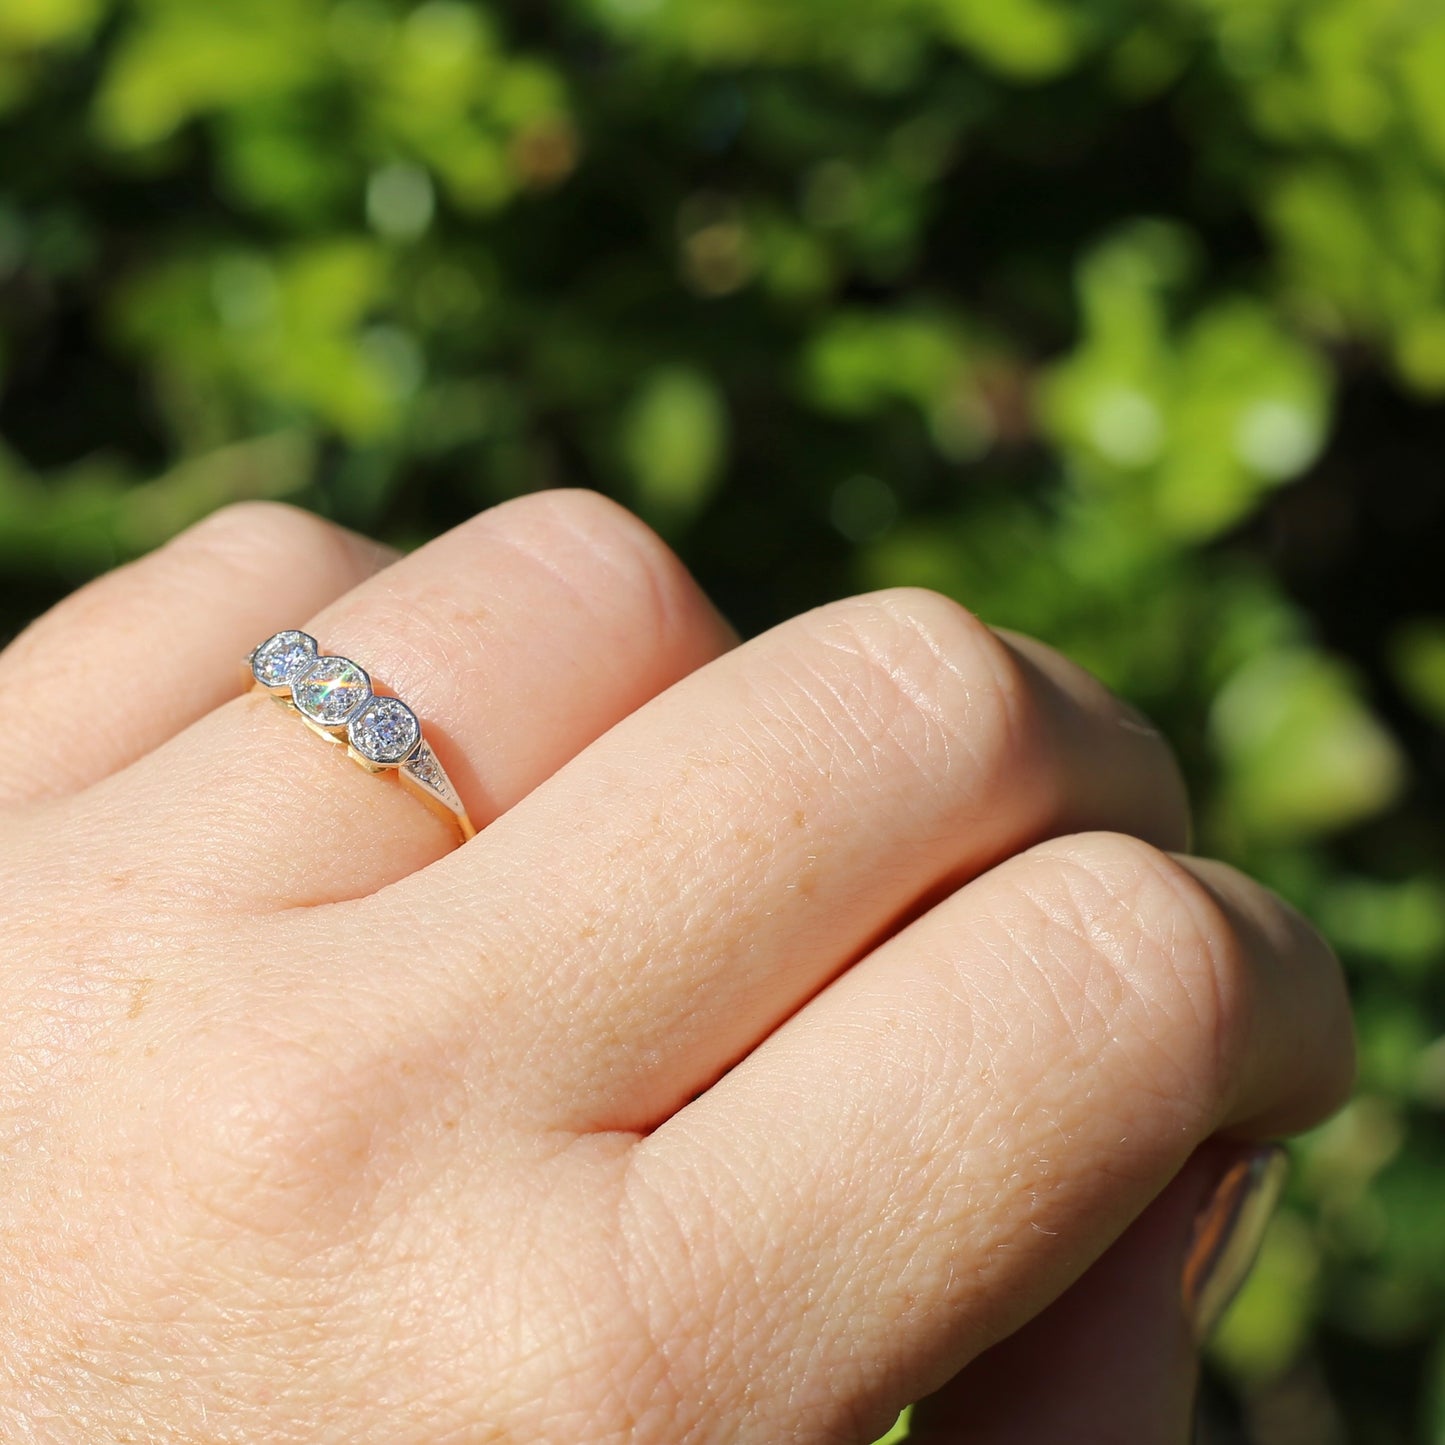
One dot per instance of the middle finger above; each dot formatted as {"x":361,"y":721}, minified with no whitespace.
{"x":716,"y":859}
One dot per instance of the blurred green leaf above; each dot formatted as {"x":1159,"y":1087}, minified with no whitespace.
{"x":1196,"y":421}
{"x":1419,"y":657}
{"x":674,"y":438}
{"x":1302,"y":752}
{"x":1266,"y":1327}
{"x":95,"y":516}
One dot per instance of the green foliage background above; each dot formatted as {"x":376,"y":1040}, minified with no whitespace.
{"x":1121,"y":321}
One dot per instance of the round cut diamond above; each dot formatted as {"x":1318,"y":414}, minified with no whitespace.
{"x":281,"y":659}
{"x":331,"y":690}
{"x":384,"y":731}
{"x":425,"y":767}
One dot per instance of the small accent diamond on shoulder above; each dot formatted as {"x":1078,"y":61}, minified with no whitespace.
{"x":423,"y":767}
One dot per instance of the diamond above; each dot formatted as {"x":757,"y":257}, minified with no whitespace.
{"x":424,"y":774}
{"x":385,"y":730}
{"x":281,"y":659}
{"x":425,"y":768}
{"x":331,"y":690}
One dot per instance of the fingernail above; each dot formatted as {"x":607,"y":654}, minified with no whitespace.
{"x":1228,"y":1232}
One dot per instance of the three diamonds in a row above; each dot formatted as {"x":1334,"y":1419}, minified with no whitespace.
{"x":334,"y":692}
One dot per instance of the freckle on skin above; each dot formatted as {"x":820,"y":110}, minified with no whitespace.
{"x":140,"y":992}
{"x":805,"y":885}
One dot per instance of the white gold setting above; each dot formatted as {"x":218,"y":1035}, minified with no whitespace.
{"x":335,"y":699}
{"x":384,"y":731}
{"x":283,"y":658}
{"x":331,"y":690}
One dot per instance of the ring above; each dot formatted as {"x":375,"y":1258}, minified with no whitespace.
{"x":335,"y":699}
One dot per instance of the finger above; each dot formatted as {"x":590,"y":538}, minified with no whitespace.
{"x":774,"y":815}
{"x":517,"y":637}
{"x":133,"y":657}
{"x":1118,"y":1350}
{"x":942,"y":1142}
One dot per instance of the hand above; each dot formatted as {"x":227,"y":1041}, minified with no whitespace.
{"x":810,"y":1016}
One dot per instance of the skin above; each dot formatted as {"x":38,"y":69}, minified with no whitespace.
{"x":816,"y":1025}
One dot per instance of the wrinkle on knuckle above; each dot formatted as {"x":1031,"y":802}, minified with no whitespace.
{"x":699,"y":1309}
{"x":619,"y":1387}
{"x":942,"y":684}
{"x":250,"y":544}
{"x":239,"y":535}
{"x":594,"y":546}
{"x":644,"y":571}
{"x":1159,"y":978}
{"x":275,"y":1139}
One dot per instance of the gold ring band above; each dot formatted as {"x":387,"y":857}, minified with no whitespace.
{"x":335,"y":699}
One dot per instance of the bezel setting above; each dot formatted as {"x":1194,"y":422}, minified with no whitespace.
{"x":335,"y":698}
{"x":331,"y":691}
{"x":282,"y":658}
{"x":385,"y":732}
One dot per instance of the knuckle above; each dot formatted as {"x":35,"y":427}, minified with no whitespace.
{"x":606,"y":527}
{"x":933,"y":671}
{"x":246,"y":541}
{"x":273,"y":1139}
{"x":594,"y":545}
{"x":574,"y":508}
{"x":1164,"y":968}
{"x":263,"y":539}
{"x":241,"y":528}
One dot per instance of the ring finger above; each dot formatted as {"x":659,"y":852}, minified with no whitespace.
{"x":517,"y":638}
